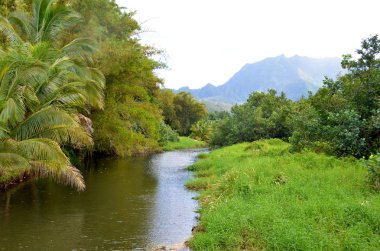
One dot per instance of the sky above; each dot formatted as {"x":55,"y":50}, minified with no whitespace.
{"x":207,"y":41}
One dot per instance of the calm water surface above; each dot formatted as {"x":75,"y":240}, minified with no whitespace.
{"x":129,"y":204}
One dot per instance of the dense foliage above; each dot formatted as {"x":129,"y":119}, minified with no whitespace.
{"x":262,"y":116}
{"x":136,"y":105}
{"x":345,"y":113}
{"x":55,"y":58}
{"x":203,"y":129}
{"x":167,"y":134}
{"x":130,"y":123}
{"x":181,"y":110}
{"x":46,"y":88}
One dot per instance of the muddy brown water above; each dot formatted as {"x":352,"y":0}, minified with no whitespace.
{"x":129,"y":204}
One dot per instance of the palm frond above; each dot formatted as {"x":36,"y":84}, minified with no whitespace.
{"x":94,"y":94}
{"x":98,"y":77}
{"x":40,"y":8}
{"x":80,"y":47}
{"x":53,"y":124}
{"x":21,"y":22}
{"x":69,"y":175}
{"x":44,"y":52}
{"x":12,"y":163}
{"x":57,"y":20}
{"x":4,"y":131}
{"x":42,"y":158}
{"x":87,"y":92}
{"x":12,"y":111}
{"x":7,"y":29}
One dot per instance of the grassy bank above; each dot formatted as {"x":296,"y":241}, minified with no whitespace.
{"x":258,"y":196}
{"x":184,"y":143}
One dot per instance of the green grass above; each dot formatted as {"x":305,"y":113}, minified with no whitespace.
{"x":258,"y":196}
{"x":184,"y":143}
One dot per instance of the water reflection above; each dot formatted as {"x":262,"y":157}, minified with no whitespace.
{"x":128,"y":204}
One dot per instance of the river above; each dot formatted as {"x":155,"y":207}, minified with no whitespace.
{"x":129,"y":204}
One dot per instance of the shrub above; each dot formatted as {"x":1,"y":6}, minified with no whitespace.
{"x":373,"y":165}
{"x":167,"y":134}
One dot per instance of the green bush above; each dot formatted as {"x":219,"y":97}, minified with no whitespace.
{"x":263,"y":116}
{"x":344,"y":132}
{"x":167,"y":134}
{"x":201,"y":130}
{"x":373,"y":165}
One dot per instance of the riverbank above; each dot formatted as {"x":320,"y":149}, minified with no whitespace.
{"x":12,"y":181}
{"x":14,"y":178}
{"x":184,"y":143}
{"x":258,"y":196}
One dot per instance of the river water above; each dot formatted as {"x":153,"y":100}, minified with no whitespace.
{"x":129,"y":204}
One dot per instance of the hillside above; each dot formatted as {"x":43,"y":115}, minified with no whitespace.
{"x":294,"y":75}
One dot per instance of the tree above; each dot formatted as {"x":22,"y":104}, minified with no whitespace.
{"x":187,"y":112}
{"x":131,"y":121}
{"x":31,"y":134}
{"x":305,"y":122}
{"x":348,"y":108}
{"x":262,"y":116}
{"x":166,"y":103}
{"x":202,"y":130}
{"x":44,"y":87}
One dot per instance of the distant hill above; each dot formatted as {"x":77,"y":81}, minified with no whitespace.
{"x":294,"y":75}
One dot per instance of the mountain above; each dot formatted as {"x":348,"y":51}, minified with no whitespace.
{"x":293,"y":75}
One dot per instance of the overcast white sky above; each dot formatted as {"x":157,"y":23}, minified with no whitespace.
{"x":207,"y":41}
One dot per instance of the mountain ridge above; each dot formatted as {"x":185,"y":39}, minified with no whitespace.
{"x":295,"y":76}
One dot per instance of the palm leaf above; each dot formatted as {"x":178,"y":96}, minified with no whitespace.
{"x":41,"y":158}
{"x":21,"y":22}
{"x":7,"y":29}
{"x":12,"y":163}
{"x":53,"y":124}
{"x":57,"y":20}
{"x":80,"y":47}
{"x":48,"y":160}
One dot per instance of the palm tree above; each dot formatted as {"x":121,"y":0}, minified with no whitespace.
{"x":43,"y":89}
{"x":31,"y":133}
{"x":69,"y":71}
{"x":49,"y":22}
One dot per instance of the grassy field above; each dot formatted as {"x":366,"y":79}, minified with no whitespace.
{"x":184,"y":143}
{"x":258,"y":196}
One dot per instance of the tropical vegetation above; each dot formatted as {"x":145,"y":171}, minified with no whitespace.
{"x":181,"y":110}
{"x":55,"y":60}
{"x":76,"y":80}
{"x":46,"y":88}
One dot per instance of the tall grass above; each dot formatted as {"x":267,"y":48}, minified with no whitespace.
{"x":258,"y":196}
